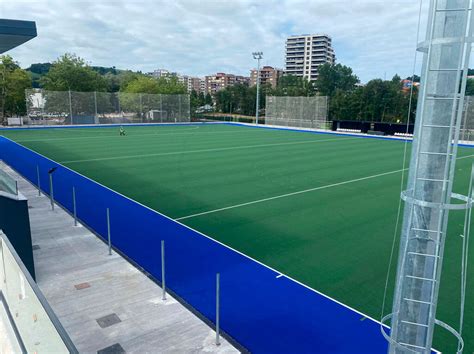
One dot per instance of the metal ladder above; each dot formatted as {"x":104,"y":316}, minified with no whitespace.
{"x":420,"y":269}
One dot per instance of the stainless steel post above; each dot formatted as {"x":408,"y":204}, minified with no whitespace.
{"x":51,"y":191}
{"x":74,"y":205}
{"x":108,"y":232}
{"x":38,"y":179}
{"x":163,"y":276}
{"x":218,"y":280}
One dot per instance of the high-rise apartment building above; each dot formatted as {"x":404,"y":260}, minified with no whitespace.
{"x":268,"y":75}
{"x":305,"y":53}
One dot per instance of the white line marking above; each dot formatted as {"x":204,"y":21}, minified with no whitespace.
{"x":464,"y":157}
{"x":289,"y":194}
{"x":279,"y":276}
{"x":204,"y":150}
{"x":298,"y":192}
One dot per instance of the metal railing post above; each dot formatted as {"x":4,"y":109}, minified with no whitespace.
{"x":38,"y":179}
{"x":74,"y":205}
{"x":163,"y":276}
{"x":218,"y":280}
{"x":108,"y":232}
{"x":51,"y":190}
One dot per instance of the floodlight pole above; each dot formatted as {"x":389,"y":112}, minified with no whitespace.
{"x":258,"y":56}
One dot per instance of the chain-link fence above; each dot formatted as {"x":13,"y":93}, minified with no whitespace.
{"x":75,"y":108}
{"x":301,"y":112}
{"x":467,"y":124}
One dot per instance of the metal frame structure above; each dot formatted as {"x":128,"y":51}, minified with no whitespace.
{"x":258,"y":56}
{"x":46,"y":107}
{"x":297,"y":112}
{"x":428,"y":198}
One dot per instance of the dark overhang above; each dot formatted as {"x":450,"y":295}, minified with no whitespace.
{"x":14,"y":33}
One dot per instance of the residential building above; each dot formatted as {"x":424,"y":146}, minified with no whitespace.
{"x":220,"y":81}
{"x":193,"y":83}
{"x":268,"y":75}
{"x":202,"y":86}
{"x":160,"y":73}
{"x":305,"y":53}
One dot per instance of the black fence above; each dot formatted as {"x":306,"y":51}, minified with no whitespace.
{"x":372,"y":127}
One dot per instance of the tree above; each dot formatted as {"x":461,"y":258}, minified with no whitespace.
{"x":71,"y":72}
{"x":146,"y":84}
{"x":141,"y":84}
{"x":290,"y":85}
{"x":470,"y":87}
{"x":112,"y":82}
{"x":13,"y":82}
{"x":202,"y":99}
{"x":415,"y":78}
{"x":208,"y":99}
{"x":195,"y":101}
{"x":335,"y":77}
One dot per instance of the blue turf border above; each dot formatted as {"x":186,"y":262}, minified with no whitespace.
{"x":260,"y":309}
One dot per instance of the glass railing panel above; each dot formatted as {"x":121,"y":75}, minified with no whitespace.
{"x":7,"y":183}
{"x":38,"y":327}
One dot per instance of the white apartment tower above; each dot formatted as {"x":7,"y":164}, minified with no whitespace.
{"x":305,"y":53}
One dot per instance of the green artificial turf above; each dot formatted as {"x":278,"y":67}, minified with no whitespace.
{"x":335,"y":238}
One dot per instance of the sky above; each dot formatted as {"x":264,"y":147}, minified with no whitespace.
{"x":377,"y":39}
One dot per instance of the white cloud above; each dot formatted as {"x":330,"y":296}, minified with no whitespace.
{"x":200,"y":37}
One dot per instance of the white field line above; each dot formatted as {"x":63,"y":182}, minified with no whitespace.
{"x":289,"y":194}
{"x":298,"y":192}
{"x":204,"y":150}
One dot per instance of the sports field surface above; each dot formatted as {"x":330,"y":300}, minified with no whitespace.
{"x":319,"y":208}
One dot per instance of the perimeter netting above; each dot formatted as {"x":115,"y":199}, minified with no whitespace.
{"x":75,"y":108}
{"x":301,"y":112}
{"x":467,"y":124}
